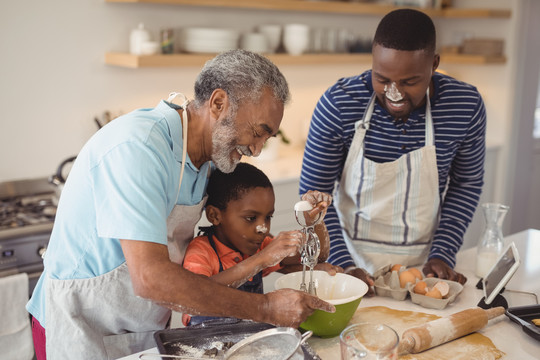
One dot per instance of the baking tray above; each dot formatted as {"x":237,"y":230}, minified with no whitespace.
{"x":523,"y":315}
{"x":200,"y":340}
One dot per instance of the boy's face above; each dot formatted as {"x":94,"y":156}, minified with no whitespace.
{"x":245,"y":222}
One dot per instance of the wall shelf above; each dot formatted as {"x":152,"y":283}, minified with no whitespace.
{"x":180,"y":60}
{"x":326,"y":7}
{"x":338,"y":7}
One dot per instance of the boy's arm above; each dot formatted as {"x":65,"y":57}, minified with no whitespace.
{"x":285,"y":244}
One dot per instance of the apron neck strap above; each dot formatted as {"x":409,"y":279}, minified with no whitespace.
{"x":185,"y":118}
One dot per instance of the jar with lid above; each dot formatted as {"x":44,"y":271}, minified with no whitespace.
{"x":491,"y":243}
{"x":137,"y":38}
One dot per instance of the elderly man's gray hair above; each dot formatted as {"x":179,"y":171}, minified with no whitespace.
{"x":243,"y":75}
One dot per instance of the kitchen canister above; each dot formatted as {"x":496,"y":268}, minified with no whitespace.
{"x":137,"y":38}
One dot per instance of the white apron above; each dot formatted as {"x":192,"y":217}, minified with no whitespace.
{"x":82,"y":311}
{"x":389,"y":211}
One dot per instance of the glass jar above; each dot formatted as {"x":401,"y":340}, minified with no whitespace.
{"x":491,"y":243}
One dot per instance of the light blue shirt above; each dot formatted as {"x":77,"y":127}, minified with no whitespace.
{"x":123,"y":185}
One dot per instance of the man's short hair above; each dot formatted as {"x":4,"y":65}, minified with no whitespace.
{"x":407,"y":30}
{"x":225,"y":187}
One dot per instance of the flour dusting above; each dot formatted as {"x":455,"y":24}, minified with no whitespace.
{"x":441,"y":330}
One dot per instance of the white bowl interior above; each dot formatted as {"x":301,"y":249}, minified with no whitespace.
{"x":338,"y":289}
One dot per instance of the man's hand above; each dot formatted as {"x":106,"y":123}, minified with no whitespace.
{"x":329,"y":268}
{"x":362,"y":275}
{"x":438,"y":268}
{"x":320,"y":202}
{"x":288,"y":307}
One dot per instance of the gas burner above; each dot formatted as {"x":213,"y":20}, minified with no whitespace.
{"x":22,"y":211}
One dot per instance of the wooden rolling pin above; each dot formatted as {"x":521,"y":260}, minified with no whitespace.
{"x":445,"y":329}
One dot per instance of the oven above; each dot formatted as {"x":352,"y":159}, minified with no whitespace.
{"x":27,"y":211}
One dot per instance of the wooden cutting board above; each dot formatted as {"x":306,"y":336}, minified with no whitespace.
{"x":473,"y":346}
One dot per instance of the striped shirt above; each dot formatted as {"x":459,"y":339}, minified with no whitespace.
{"x":459,"y":121}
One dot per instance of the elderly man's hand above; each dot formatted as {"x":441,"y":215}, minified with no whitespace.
{"x":438,"y":268}
{"x":362,"y":275}
{"x":288,"y":307}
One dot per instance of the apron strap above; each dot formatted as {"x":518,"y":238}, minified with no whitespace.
{"x":172,"y":96}
{"x":430,"y":131}
{"x":210,"y":236}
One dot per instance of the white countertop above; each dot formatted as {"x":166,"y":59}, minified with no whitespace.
{"x":506,"y":335}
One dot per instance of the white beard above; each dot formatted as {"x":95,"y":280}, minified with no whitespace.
{"x":223,"y":144}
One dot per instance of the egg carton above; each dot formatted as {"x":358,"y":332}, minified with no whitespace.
{"x":432,"y":303}
{"x":387,"y":283}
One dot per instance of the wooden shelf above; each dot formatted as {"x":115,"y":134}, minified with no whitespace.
{"x":339,"y":7}
{"x":198,"y":60}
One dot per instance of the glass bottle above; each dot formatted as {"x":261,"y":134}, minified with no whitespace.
{"x":491,"y":243}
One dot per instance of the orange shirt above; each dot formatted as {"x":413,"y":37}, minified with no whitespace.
{"x":202,"y":259}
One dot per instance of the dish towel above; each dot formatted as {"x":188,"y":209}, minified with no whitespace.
{"x":15,"y":331}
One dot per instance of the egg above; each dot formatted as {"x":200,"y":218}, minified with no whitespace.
{"x":420,"y":288}
{"x":443,"y":288}
{"x":417,"y":273}
{"x":396,"y":267}
{"x":434,"y":293}
{"x":406,"y":277}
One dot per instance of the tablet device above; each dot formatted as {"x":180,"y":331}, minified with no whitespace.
{"x":500,"y":273}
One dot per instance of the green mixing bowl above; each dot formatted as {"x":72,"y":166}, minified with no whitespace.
{"x":343,"y":291}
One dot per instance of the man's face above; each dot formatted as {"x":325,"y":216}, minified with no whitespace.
{"x":245,"y":132}
{"x":400,"y":79}
{"x":246,"y":222}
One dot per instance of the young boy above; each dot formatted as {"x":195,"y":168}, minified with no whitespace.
{"x":238,"y":250}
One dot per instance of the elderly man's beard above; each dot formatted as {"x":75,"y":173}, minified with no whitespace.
{"x":224,"y":142}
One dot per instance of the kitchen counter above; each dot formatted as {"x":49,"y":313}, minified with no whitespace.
{"x":506,"y":335}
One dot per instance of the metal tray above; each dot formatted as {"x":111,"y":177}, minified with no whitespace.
{"x":523,"y":315}
{"x":200,"y":340}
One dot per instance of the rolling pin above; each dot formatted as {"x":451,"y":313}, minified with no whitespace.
{"x":445,"y":329}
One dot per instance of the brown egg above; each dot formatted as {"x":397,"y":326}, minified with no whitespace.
{"x":396,"y":267}
{"x":442,"y":287}
{"x":406,"y":277}
{"x":434,"y":293}
{"x":420,"y":288}
{"x":417,"y":273}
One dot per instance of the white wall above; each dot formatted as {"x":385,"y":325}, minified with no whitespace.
{"x":54,"y":80}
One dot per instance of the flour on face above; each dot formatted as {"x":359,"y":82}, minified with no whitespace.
{"x":392,"y":93}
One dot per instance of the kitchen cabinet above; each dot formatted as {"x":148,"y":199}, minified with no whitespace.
{"x":181,"y":60}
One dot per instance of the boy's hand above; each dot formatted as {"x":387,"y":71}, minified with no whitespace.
{"x":329,"y":268}
{"x":285,"y":244}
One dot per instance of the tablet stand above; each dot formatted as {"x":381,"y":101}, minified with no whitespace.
{"x":498,"y":301}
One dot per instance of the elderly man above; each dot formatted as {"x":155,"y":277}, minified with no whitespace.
{"x":406,"y":146}
{"x":130,"y":205}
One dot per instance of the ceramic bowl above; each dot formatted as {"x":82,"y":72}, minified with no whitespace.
{"x":343,"y":291}
{"x":273,"y":35}
{"x":255,"y":42}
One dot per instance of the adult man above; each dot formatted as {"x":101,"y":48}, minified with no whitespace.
{"x":131,"y":203}
{"x":403,"y":148}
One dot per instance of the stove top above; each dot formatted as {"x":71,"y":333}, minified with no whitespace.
{"x":26,"y":204}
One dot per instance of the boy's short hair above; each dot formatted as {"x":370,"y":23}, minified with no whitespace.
{"x":224,"y":187}
{"x":407,"y":30}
